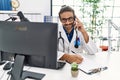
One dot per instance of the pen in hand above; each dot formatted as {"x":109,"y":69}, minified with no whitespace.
{"x":73,"y":52}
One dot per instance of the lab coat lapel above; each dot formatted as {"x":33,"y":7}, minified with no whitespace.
{"x":74,"y":37}
{"x":64,"y":35}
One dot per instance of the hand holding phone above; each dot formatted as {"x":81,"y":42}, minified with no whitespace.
{"x":78,"y":25}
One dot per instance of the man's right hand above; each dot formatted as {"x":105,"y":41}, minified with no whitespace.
{"x":70,"y":58}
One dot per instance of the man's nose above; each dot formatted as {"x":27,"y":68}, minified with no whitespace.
{"x":68,"y":22}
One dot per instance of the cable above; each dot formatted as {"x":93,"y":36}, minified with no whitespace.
{"x":10,"y":74}
{"x":2,"y":75}
{"x":8,"y":77}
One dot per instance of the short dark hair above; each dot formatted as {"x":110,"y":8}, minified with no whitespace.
{"x":65,"y":8}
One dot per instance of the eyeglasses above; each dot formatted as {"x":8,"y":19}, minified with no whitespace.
{"x":70,"y":19}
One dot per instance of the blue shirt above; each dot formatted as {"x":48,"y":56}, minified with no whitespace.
{"x":69,"y":35}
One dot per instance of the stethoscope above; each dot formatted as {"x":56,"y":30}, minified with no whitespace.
{"x":76,"y":42}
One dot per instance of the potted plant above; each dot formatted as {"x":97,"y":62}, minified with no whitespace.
{"x":74,"y":69}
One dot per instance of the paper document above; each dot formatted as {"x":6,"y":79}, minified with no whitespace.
{"x":89,"y":66}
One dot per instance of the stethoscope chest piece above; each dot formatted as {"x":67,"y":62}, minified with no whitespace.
{"x":77,"y":42}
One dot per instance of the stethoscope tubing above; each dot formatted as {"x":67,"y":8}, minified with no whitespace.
{"x":60,"y":37}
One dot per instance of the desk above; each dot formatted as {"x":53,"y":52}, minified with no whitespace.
{"x":112,"y":60}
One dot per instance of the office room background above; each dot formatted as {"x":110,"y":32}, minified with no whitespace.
{"x":100,"y":17}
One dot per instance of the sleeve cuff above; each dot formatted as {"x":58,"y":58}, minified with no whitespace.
{"x":91,"y":47}
{"x":59,"y":55}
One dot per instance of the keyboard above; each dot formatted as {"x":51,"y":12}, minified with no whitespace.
{"x":61,"y":64}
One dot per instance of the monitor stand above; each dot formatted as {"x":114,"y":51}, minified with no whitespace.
{"x":1,"y":62}
{"x":17,"y":72}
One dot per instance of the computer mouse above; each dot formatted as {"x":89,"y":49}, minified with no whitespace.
{"x":8,"y":66}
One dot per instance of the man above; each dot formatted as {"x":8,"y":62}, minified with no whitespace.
{"x":72,"y":37}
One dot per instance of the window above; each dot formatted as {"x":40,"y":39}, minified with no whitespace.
{"x":108,"y":10}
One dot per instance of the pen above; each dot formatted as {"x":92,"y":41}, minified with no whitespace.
{"x":97,"y":70}
{"x":73,"y":52}
{"x":103,"y":68}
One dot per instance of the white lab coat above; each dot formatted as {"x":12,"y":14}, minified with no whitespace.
{"x":89,"y":47}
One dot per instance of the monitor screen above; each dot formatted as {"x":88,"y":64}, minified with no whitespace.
{"x":37,"y":41}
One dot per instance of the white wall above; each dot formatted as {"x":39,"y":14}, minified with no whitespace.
{"x":35,"y":6}
{"x":42,"y":7}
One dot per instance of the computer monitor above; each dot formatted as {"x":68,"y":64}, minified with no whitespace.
{"x":36,"y":41}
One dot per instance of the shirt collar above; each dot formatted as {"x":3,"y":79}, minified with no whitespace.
{"x":69,"y":35}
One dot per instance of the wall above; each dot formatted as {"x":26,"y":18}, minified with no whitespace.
{"x":36,"y":6}
{"x":37,"y":9}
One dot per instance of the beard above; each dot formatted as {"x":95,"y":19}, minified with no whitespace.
{"x":69,"y":26}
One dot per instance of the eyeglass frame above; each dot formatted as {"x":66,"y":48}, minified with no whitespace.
{"x":70,"y":19}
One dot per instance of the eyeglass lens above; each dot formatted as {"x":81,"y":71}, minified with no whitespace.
{"x":70,"y":19}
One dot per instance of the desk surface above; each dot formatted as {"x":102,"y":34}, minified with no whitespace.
{"x":112,"y":60}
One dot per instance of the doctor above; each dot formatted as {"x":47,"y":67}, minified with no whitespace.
{"x":72,"y":37}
